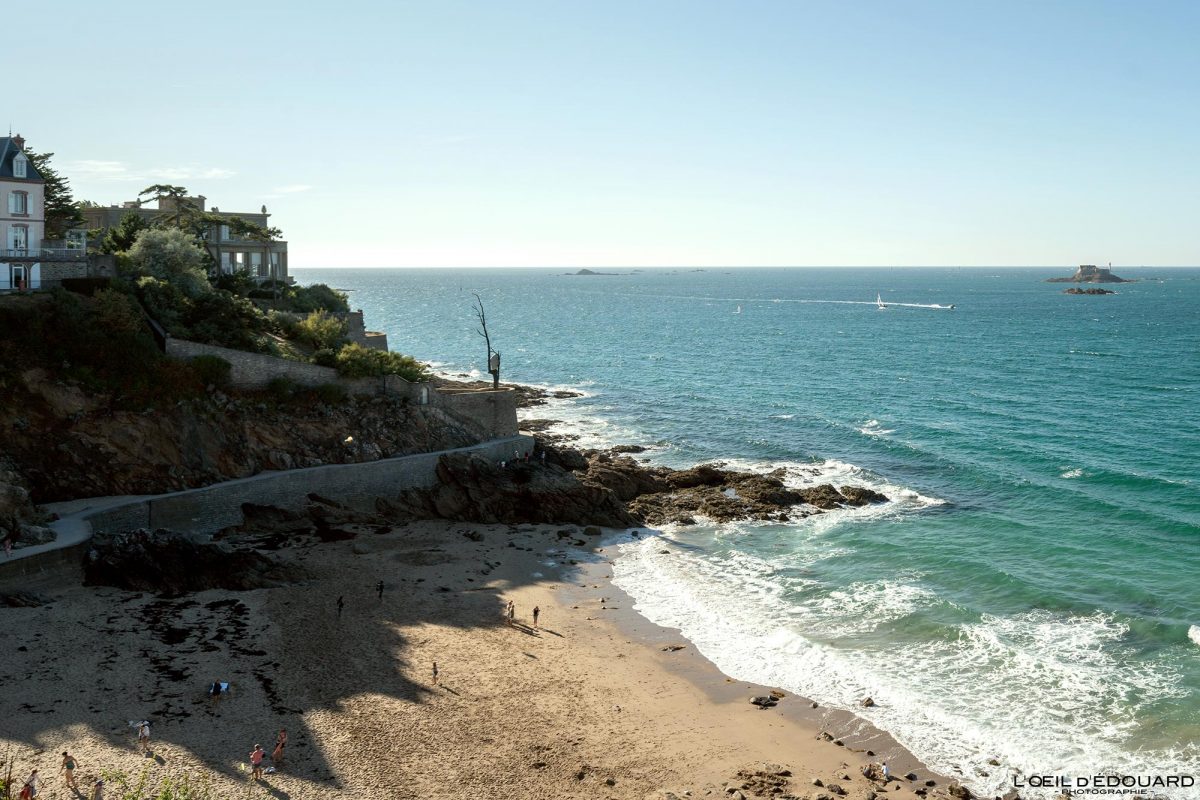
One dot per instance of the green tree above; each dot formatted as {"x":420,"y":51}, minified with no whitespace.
{"x":172,"y":256}
{"x":62,"y":213}
{"x":121,"y":236}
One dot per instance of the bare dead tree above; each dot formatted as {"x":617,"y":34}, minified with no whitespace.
{"x":493,"y":356}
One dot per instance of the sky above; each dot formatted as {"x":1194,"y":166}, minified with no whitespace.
{"x":568,"y":133}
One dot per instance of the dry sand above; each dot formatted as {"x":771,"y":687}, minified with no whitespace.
{"x":588,"y":706}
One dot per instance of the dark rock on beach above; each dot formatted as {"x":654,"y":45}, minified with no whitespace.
{"x":172,"y":564}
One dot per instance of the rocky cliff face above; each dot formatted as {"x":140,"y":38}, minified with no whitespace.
{"x":66,"y":443}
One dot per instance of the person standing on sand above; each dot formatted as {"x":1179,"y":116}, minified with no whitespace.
{"x":68,"y":770}
{"x":98,"y":789}
{"x":435,"y":673}
{"x":887,"y":773}
{"x":536,"y":612}
{"x":30,"y":789}
{"x":341,"y":605}
{"x":256,"y":759}
{"x":379,"y":589}
{"x":144,"y":736}
{"x":510,"y":612}
{"x":280,"y":742}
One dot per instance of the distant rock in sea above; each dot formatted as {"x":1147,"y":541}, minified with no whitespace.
{"x":1077,"y":290}
{"x":591,"y":272}
{"x":1090,"y":273}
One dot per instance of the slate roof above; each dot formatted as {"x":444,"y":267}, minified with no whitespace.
{"x":8,"y":151}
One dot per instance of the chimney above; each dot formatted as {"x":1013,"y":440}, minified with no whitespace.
{"x":19,"y":141}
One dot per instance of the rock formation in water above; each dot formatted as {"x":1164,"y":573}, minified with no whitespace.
{"x":1077,"y":290}
{"x":1090,"y":273}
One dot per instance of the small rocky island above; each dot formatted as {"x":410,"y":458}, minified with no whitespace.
{"x":1090,"y":273}
{"x":1077,"y":290}
{"x":591,"y":272}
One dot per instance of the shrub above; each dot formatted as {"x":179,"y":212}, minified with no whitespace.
{"x":321,"y":331}
{"x":213,"y":370}
{"x":356,"y":361}
{"x":325,"y":357}
{"x":281,"y":388}
{"x":117,"y":312}
{"x":331,"y":394}
{"x":318,"y":297}
{"x":85,"y":286}
{"x":171,"y":255}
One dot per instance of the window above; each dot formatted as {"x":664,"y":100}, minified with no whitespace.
{"x":225,"y":264}
{"x":18,"y":237}
{"x":19,"y":165}
{"x":225,"y":237}
{"x":18,"y":203}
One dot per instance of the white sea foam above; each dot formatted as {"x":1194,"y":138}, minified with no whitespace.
{"x":1044,"y":692}
{"x":1074,"y":472}
{"x":874,"y":427}
{"x":1194,"y":634}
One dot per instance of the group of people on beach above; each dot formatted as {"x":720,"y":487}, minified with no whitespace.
{"x":510,"y":614}
{"x":258,"y":754}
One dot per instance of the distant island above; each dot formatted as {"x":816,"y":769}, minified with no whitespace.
{"x":1077,"y":290}
{"x":1090,"y":273}
{"x":590,"y":272}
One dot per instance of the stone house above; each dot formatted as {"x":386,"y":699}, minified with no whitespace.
{"x":261,"y":260}
{"x":27,"y":260}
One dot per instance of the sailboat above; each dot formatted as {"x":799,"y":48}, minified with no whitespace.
{"x":739,"y":310}
{"x":879,"y":302}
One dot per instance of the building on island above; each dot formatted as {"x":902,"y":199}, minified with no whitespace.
{"x":27,"y":260}
{"x":262,"y":260}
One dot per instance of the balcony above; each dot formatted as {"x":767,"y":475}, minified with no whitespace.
{"x":43,"y":254}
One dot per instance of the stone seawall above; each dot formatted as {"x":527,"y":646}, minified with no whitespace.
{"x":207,"y":510}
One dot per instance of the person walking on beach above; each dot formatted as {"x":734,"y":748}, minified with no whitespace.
{"x":341,"y":605}
{"x":510,"y":612}
{"x":887,"y":773}
{"x":68,"y":770}
{"x":30,"y":789}
{"x":435,"y":673}
{"x":536,"y":612}
{"x":144,"y":736}
{"x":379,"y":589}
{"x":280,"y":742}
{"x":256,"y":759}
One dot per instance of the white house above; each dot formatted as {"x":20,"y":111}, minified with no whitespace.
{"x":22,"y":217}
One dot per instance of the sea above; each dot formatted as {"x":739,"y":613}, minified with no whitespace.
{"x":1031,"y":592}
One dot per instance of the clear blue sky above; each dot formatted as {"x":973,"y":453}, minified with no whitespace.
{"x":639,"y":133}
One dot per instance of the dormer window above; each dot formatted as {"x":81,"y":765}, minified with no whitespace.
{"x":19,"y":165}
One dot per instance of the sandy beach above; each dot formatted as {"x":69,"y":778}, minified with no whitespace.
{"x":587,"y":705}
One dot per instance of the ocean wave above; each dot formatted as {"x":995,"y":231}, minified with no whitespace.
{"x":1074,"y":472}
{"x":1194,"y":634}
{"x":1041,"y":691}
{"x":874,"y":427}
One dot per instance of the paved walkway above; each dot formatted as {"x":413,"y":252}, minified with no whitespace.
{"x":72,"y":526}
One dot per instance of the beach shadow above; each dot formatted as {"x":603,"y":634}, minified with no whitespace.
{"x":552,"y":633}
{"x":273,"y":791}
{"x":285,"y":649}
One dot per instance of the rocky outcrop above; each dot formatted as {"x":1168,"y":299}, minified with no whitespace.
{"x":172,"y":564}
{"x":659,"y":495}
{"x":1090,"y":273}
{"x":19,"y":520}
{"x":474,"y":489}
{"x":1077,"y":290}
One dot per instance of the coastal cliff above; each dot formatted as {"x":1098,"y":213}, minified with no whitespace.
{"x":1090,"y":273}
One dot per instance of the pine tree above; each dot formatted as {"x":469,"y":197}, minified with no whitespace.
{"x":62,"y":213}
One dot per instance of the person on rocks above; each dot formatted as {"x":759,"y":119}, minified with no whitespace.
{"x":379,"y":589}
{"x":256,"y":759}
{"x":68,"y":770}
{"x":536,"y":612}
{"x":280,"y":743}
{"x":543,"y":458}
{"x":435,"y":673}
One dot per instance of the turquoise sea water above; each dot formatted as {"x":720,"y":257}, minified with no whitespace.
{"x":1031,"y":591}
